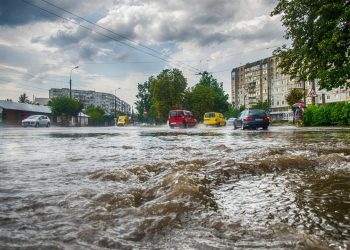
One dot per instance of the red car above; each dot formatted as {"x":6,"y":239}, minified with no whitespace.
{"x":181,"y":118}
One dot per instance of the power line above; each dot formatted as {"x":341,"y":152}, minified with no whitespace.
{"x":115,"y":33}
{"x":107,"y":36}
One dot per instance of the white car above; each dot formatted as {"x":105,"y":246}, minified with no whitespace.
{"x":36,"y":121}
{"x":230,"y":121}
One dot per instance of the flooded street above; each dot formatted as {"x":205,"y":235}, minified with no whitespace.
{"x":162,"y":188}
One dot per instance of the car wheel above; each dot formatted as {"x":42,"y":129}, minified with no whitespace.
{"x":265,"y":127}
{"x":185,"y":124}
{"x":48,"y":125}
{"x":37,"y":125}
{"x":243,"y":127}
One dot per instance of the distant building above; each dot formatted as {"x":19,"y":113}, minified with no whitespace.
{"x":14,"y":112}
{"x":264,"y":81}
{"x":108,"y":102}
{"x":41,"y":101}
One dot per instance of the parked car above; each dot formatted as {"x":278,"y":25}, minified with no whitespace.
{"x":36,"y":121}
{"x":230,"y":121}
{"x":214,"y":118}
{"x":252,"y":118}
{"x":181,"y":118}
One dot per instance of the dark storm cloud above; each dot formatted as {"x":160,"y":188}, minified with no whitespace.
{"x":17,"y":12}
{"x":213,"y":38}
{"x":88,"y":53}
{"x":203,"y":22}
{"x":67,"y":37}
{"x":20,"y":12}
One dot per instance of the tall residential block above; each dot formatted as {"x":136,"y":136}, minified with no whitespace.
{"x":264,"y":81}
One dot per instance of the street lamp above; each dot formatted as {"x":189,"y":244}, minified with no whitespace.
{"x":115,"y":102}
{"x":70,"y":81}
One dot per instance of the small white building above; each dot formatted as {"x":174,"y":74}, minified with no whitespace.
{"x":83,"y":119}
{"x":80,"y":120}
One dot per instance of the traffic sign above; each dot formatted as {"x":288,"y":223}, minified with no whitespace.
{"x":312,"y":93}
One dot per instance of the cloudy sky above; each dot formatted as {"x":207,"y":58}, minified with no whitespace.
{"x":119,"y":43}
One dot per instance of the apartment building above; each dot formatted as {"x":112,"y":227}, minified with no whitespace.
{"x":263,"y":81}
{"x":108,"y":102}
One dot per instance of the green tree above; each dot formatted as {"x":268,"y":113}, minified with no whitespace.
{"x":96,"y":115}
{"x":199,"y":99}
{"x":221,"y":103}
{"x":233,"y":112}
{"x":261,"y":105}
{"x":144,"y":100}
{"x":167,"y":91}
{"x":65,"y":106}
{"x":207,"y":95}
{"x":23,"y":98}
{"x":294,"y":96}
{"x":320,"y":35}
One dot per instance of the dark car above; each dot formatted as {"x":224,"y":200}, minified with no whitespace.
{"x":252,"y":118}
{"x":181,"y":118}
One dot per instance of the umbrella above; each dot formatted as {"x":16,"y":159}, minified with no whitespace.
{"x":300,"y":104}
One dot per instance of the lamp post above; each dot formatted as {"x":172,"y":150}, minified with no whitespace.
{"x":70,"y":81}
{"x":115,"y":103}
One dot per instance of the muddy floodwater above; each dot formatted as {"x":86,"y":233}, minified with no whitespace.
{"x":162,"y":188}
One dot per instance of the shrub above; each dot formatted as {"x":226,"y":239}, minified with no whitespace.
{"x":328,"y":114}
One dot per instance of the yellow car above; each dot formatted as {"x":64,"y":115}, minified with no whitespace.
{"x":123,"y":120}
{"x":214,"y":118}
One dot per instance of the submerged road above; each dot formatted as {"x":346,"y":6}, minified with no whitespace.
{"x":161,"y":188}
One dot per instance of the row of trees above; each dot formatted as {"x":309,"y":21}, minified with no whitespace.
{"x":169,"y":91}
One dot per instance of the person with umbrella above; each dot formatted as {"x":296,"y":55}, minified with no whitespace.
{"x":298,"y":112}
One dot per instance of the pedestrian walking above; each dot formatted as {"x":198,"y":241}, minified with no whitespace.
{"x":298,"y":116}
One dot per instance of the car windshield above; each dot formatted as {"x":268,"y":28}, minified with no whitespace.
{"x":33,"y":117}
{"x":209,"y":115}
{"x":172,"y":113}
{"x":257,"y":113}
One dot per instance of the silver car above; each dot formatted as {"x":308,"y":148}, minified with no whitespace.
{"x":36,"y":121}
{"x":230,"y":121}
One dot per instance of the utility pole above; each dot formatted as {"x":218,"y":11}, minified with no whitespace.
{"x":115,"y":104}
{"x":313,"y":98}
{"x":70,"y":81}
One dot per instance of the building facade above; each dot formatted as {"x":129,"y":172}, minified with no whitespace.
{"x":108,"y":102}
{"x":13,"y":113}
{"x":263,"y":81}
